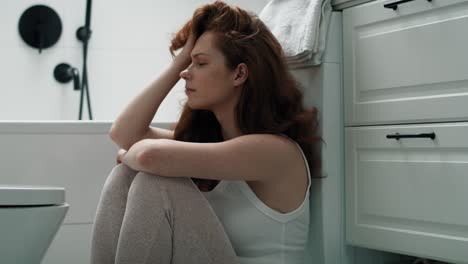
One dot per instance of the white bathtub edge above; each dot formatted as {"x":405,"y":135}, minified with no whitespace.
{"x":62,"y":127}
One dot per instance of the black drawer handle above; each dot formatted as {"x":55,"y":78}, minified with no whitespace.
{"x":397,"y":136}
{"x":394,"y":5}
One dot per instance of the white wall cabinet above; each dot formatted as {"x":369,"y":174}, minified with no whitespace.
{"x":408,"y":65}
{"x":406,"y":72}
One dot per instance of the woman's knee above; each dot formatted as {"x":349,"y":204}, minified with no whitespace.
{"x":120,"y":176}
{"x":165,"y":191}
{"x":153,"y":181}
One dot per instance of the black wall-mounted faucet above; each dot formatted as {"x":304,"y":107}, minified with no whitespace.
{"x":63,"y":73}
{"x":40,"y":27}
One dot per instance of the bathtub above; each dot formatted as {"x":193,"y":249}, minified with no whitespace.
{"x":77,"y":155}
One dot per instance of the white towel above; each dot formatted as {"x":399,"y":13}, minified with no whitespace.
{"x":301,"y":27}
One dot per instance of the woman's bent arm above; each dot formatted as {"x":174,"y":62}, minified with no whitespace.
{"x":133,"y":122}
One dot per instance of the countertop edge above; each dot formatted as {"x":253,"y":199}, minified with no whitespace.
{"x":62,"y":127}
{"x":339,"y":5}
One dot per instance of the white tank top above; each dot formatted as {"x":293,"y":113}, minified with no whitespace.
{"x":259,"y":234}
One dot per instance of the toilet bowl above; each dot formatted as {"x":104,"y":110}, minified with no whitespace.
{"x":29,"y":219}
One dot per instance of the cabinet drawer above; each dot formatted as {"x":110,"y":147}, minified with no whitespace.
{"x":408,"y":65}
{"x":409,"y":195}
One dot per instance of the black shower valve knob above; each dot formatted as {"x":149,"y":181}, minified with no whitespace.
{"x":63,"y":73}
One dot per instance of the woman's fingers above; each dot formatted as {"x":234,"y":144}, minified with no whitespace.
{"x":120,"y":154}
{"x":190,"y":42}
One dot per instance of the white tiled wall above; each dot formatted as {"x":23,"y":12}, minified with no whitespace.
{"x":127,"y":50}
{"x":75,"y":155}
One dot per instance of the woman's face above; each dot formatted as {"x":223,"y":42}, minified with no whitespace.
{"x":213,"y":83}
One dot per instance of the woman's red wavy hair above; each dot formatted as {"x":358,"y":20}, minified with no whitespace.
{"x":270,"y":101}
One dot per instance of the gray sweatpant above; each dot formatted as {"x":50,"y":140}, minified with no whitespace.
{"x":144,"y":218}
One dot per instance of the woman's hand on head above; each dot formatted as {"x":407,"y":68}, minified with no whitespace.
{"x":184,"y":55}
{"x":188,"y":47}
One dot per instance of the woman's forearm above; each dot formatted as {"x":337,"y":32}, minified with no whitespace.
{"x":133,"y":122}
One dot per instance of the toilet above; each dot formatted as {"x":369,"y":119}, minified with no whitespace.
{"x":29,"y":219}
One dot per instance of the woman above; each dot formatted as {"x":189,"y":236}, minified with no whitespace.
{"x":230,"y":183}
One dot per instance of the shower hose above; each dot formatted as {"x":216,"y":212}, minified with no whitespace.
{"x":84,"y":34}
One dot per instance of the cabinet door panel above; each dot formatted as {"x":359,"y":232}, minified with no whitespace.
{"x":409,"y":195}
{"x":408,"y":65}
